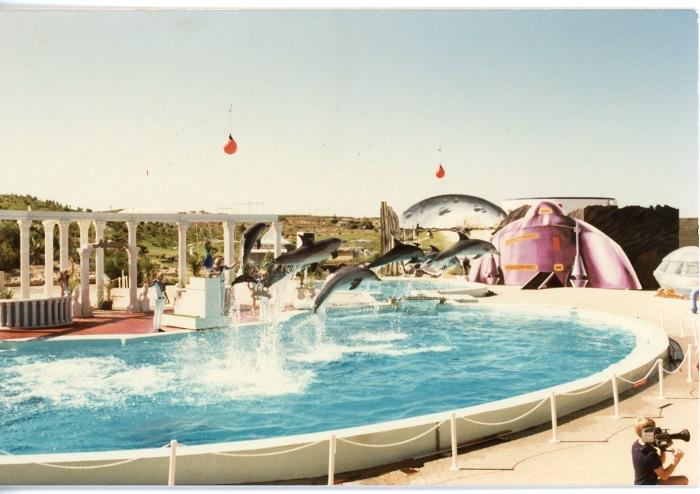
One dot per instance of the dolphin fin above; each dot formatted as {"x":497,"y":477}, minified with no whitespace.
{"x":334,"y":254}
{"x":463,"y":235}
{"x":305,"y":241}
{"x":434,"y":249}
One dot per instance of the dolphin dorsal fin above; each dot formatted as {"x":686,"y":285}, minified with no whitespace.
{"x":434,"y":249}
{"x":397,"y":242}
{"x":463,"y":236}
{"x":305,"y":241}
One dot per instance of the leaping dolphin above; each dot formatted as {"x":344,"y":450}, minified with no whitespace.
{"x":310,"y":252}
{"x":347,"y":277}
{"x":252,"y":234}
{"x":400,"y":252}
{"x":464,"y":247}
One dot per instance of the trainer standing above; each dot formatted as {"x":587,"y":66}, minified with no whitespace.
{"x":161,"y":297}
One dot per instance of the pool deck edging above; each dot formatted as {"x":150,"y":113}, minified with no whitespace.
{"x":633,"y":366}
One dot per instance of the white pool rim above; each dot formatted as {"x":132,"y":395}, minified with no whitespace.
{"x":308,"y":455}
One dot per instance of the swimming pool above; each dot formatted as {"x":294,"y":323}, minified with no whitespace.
{"x":306,"y":374}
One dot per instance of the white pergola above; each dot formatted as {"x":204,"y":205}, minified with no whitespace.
{"x":50,"y":219}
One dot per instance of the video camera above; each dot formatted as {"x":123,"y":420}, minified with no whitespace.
{"x":661,"y":438}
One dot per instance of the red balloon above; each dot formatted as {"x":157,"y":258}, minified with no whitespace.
{"x":230,"y":146}
{"x":440,"y":172}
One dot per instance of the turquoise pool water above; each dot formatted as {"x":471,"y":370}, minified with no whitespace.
{"x":311,"y":373}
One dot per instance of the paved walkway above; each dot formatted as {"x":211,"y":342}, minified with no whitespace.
{"x":594,"y":447}
{"x":108,"y":322}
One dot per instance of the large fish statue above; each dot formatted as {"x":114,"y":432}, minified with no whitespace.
{"x":452,"y":211}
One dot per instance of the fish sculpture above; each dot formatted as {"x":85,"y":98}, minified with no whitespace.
{"x":451,"y":211}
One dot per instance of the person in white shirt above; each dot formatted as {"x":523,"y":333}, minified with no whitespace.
{"x":160,"y":298}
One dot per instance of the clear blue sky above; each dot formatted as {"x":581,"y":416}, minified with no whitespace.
{"x":335,"y":111}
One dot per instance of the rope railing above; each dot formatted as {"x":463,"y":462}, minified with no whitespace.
{"x":478,"y":422}
{"x":685,"y":358}
{"x":87,"y":467}
{"x":638,"y":380}
{"x":584,"y":391}
{"x":391,"y":445}
{"x":272,"y":453}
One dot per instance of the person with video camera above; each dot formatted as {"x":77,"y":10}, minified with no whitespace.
{"x":649,"y":454}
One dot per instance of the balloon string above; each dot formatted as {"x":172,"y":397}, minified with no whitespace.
{"x":229,"y":118}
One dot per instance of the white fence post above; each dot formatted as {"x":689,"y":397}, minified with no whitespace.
{"x":553,"y":405}
{"x":171,"y":468}
{"x":616,"y":399}
{"x":660,"y":364}
{"x":682,"y":326}
{"x":331,"y":460}
{"x":453,"y":439}
{"x":689,"y":356}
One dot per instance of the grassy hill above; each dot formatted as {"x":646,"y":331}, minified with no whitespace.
{"x":158,"y":241}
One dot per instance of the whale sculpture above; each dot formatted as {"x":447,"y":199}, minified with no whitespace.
{"x":451,"y":211}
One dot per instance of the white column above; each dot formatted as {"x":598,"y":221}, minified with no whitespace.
{"x":229,"y":246}
{"x":99,"y":259}
{"x":182,"y":253}
{"x":85,"y":307}
{"x":278,"y":237}
{"x":24,"y":258}
{"x":48,"y":257}
{"x":63,"y":230}
{"x":84,"y":226}
{"x":132,"y":251}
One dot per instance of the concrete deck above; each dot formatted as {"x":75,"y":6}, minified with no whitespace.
{"x":594,"y":447}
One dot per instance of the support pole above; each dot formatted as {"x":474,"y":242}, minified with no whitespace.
{"x":553,"y":406}
{"x":48,"y":257}
{"x":171,"y":466}
{"x":85,"y":307}
{"x":64,"y":235}
{"x":24,"y":259}
{"x":182,"y":253}
{"x":660,"y":364}
{"x":453,"y":439}
{"x":616,"y":398}
{"x":277,"y":226}
{"x":689,"y":356}
{"x":99,"y":259}
{"x":134,"y":305}
{"x":229,"y":247}
{"x":331,"y":460}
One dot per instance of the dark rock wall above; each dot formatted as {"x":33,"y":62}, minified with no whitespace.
{"x":646,"y":235}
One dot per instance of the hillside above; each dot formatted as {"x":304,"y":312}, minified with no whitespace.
{"x":158,"y":241}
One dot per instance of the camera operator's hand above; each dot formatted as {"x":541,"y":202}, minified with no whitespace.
{"x":677,"y":455}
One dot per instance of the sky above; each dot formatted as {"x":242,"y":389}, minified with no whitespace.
{"x":335,"y":111}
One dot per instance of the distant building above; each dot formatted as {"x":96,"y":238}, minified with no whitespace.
{"x":568,"y":204}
